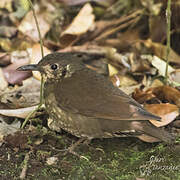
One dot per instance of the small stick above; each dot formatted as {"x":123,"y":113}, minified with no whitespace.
{"x":25,"y":166}
{"x":42,"y":81}
{"x":168,"y":45}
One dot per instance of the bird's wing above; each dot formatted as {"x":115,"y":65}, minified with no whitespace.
{"x":93,"y":95}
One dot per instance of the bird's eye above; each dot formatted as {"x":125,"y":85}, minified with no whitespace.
{"x":54,"y":66}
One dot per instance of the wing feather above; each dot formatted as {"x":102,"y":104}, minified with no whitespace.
{"x":93,"y":95}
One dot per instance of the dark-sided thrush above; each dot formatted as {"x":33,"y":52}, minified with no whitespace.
{"x":87,"y":105}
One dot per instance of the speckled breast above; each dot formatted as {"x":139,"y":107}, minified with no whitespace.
{"x":76,"y":124}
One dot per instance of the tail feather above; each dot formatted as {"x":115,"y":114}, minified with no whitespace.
{"x":150,"y":115}
{"x":151,"y":130}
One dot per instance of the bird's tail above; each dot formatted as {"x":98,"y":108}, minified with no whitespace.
{"x":151,"y":130}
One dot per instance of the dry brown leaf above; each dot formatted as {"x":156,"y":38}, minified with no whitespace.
{"x":142,"y":96}
{"x":161,"y":66}
{"x":124,"y":41}
{"x":3,"y":82}
{"x":156,"y":83}
{"x":13,"y":76}
{"x":36,"y":57}
{"x":129,"y":89}
{"x":80,"y":25}
{"x":18,"y":58}
{"x":20,"y":113}
{"x":139,"y":65}
{"x":161,"y":50}
{"x":175,"y":76}
{"x":157,"y":34}
{"x":167,"y":93}
{"x":116,"y":58}
{"x":6,"y":44}
{"x":28,"y":25}
{"x":6,"y":129}
{"x":4,"y":58}
{"x":148,"y":139}
{"x":22,"y":96}
{"x":167,"y":112}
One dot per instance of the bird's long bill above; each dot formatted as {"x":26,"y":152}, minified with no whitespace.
{"x":30,"y":67}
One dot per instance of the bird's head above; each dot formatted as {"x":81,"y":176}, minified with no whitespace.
{"x":56,"y":66}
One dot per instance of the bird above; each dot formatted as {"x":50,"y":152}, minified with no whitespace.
{"x":87,"y":105}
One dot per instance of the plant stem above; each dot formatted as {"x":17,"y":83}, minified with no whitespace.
{"x":42,"y":81}
{"x":168,"y":43}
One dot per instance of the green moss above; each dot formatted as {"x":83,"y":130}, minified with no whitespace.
{"x":111,"y":159}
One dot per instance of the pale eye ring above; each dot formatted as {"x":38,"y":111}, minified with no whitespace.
{"x":54,"y":66}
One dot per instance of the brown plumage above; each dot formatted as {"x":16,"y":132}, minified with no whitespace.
{"x":86,"y":104}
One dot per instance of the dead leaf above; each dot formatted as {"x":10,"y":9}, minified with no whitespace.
{"x":161,"y":66}
{"x":129,"y":89}
{"x":124,"y":41}
{"x":3,"y":82}
{"x":160,"y":51}
{"x":4,"y":59}
{"x":6,"y":129}
{"x":167,"y":112}
{"x":143,"y":96}
{"x":139,"y":65}
{"x":20,"y":113}
{"x":18,"y":140}
{"x":167,"y":93}
{"x":156,"y":83}
{"x":112,"y":70}
{"x":158,"y":64}
{"x":28,"y":25}
{"x":22,"y":96}
{"x":157,"y":34}
{"x":80,"y":25}
{"x":175,"y":76}
{"x":13,"y":76}
{"x":116,"y":58}
{"x":36,"y":56}
{"x":18,"y":58}
{"x":6,"y":44}
{"x":148,"y":139}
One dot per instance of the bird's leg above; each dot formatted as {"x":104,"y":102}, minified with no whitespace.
{"x":73,"y":146}
{"x":87,"y":141}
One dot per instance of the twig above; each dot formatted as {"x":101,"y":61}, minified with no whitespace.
{"x":42,"y":81}
{"x":168,"y":45}
{"x":25,"y":166}
{"x":37,"y":25}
